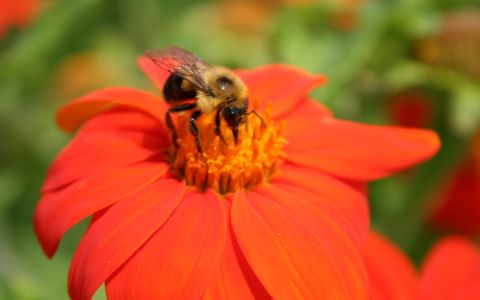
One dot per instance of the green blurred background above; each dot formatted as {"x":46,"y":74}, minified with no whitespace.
{"x":408,"y":62}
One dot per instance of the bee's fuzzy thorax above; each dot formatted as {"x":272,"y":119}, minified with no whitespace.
{"x":206,"y":103}
{"x":239,"y":91}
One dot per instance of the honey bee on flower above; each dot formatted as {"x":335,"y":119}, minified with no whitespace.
{"x":216,"y":89}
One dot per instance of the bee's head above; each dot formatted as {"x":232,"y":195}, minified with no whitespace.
{"x":235,"y":116}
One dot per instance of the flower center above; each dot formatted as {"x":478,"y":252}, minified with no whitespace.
{"x":224,"y":166}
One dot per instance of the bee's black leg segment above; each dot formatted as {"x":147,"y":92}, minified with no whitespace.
{"x":171,"y":127}
{"x":235,"y":134}
{"x":217,"y":126}
{"x":182,"y":107}
{"x":192,"y":125}
{"x":169,"y":121}
{"x":194,"y":130}
{"x":259,"y":116}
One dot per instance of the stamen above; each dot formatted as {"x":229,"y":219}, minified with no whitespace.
{"x":226,"y":167}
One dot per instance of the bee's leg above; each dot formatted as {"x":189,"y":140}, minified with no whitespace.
{"x":172,"y":129}
{"x":169,"y":121}
{"x":259,"y":116}
{"x":217,"y":126}
{"x":235,"y":134}
{"x":192,"y":125}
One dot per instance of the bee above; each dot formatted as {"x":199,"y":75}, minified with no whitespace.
{"x":215,"y":89}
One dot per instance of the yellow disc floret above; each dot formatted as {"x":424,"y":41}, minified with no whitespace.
{"x":224,"y":166}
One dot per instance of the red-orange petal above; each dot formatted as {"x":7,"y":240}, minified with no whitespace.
{"x":470,"y":291}
{"x":358,"y":151}
{"x":178,"y":261}
{"x":321,"y":193}
{"x":124,"y":120}
{"x":107,"y":142}
{"x":155,"y":73}
{"x":391,"y":274}
{"x":75,"y":113}
{"x":234,"y":279}
{"x":285,"y":86}
{"x":451,"y":271}
{"x":59,"y":210}
{"x":118,"y":233}
{"x":308,"y":111}
{"x":295,"y":258}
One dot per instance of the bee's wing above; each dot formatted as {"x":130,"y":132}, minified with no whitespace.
{"x":183,"y":63}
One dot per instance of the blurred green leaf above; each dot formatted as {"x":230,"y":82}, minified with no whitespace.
{"x":465,"y":116}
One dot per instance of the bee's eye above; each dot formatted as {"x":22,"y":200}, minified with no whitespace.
{"x":231,"y":112}
{"x":224,"y":83}
{"x":234,"y":115}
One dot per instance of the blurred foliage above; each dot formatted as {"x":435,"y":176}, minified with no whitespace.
{"x":371,"y":51}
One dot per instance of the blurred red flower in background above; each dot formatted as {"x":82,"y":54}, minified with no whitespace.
{"x":457,"y":207}
{"x":16,"y":13}
{"x":411,"y":108}
{"x":279,"y":217}
{"x":450,"y":271}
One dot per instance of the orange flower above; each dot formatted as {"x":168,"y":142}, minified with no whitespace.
{"x":16,"y":13}
{"x":82,"y":72}
{"x":456,"y":43}
{"x":274,"y":216}
{"x":450,"y":271}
